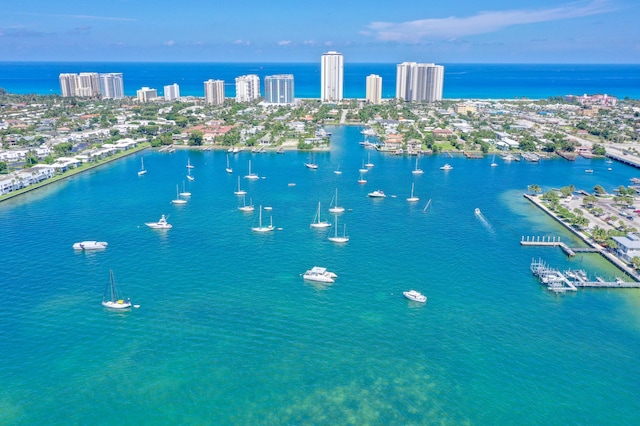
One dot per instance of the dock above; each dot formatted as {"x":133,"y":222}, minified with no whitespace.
{"x":547,"y":241}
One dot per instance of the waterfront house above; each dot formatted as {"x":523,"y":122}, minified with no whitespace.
{"x":628,"y":246}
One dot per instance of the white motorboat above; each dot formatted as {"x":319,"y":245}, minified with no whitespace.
{"x":477,"y":212}
{"x":261,"y":228}
{"x":336,"y":239}
{"x":112,"y":298}
{"x":317,"y":222}
{"x":446,"y":167}
{"x":414,"y":295}
{"x":251,"y":176}
{"x":239,"y":191}
{"x":90,"y":245}
{"x":160,"y":224}
{"x":319,"y":274}
{"x":335,"y":208}
{"x":178,"y":200}
{"x":412,"y":199}
{"x":142,"y":171}
{"x":378,"y":193}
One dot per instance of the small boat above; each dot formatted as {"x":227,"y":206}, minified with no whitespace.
{"x":417,"y":171}
{"x":477,"y":212}
{"x":493,"y":162}
{"x":337,"y":170}
{"x":378,"y":193}
{"x":142,"y":171}
{"x":245,"y":207}
{"x":261,"y":228}
{"x":319,"y":274}
{"x":90,"y":245}
{"x":160,"y":224}
{"x":368,"y":164}
{"x":589,"y":171}
{"x":317,"y":222}
{"x":184,"y":192}
{"x":239,"y":191}
{"x":336,"y":239}
{"x":446,"y":167}
{"x":228,"y":169}
{"x":415,"y":296}
{"x":189,"y":166}
{"x":291,"y":184}
{"x":412,"y":199}
{"x":112,"y":298}
{"x":363,"y":169}
{"x":362,"y":180}
{"x":178,"y":200}
{"x":311,"y":164}
{"x":335,"y":208}
{"x":251,"y":176}
{"x":268,"y":208}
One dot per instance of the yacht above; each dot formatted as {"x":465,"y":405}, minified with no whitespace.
{"x":416,"y":296}
{"x":446,"y":167}
{"x":160,"y":224}
{"x":378,"y":193}
{"x":90,"y":245}
{"x":320,"y":274}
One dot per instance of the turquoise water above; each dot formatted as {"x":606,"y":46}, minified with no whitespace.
{"x":228,"y":333}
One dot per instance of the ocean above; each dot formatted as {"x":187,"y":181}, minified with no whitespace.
{"x":480,"y":81}
{"x":229,"y":333}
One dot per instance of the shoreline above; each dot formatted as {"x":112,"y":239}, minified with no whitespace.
{"x":586,"y":239}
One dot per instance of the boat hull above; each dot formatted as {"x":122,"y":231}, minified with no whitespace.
{"x":90,"y":245}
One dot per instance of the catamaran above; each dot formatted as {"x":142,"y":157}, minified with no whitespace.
{"x":317,"y":222}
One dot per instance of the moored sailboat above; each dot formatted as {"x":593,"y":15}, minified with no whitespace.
{"x":335,"y":208}
{"x":261,"y":228}
{"x":317,"y":222}
{"x":142,"y":171}
{"x":339,"y":239}
{"x":112,"y":298}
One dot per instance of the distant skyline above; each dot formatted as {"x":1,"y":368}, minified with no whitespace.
{"x":454,"y":31}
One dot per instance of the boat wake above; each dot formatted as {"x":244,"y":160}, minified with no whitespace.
{"x":483,"y":220}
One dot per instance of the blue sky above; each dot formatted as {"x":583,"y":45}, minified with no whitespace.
{"x":453,"y":31}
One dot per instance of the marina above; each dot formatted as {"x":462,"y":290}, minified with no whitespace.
{"x":570,"y":280}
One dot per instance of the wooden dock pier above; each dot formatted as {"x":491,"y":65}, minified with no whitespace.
{"x":555,"y":242}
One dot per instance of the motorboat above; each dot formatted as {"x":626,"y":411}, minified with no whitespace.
{"x":160,"y":224}
{"x":90,"y":245}
{"x":477,"y":212}
{"x":414,"y":295}
{"x":319,"y":274}
{"x":112,"y":299}
{"x":446,"y":167}
{"x":378,"y":193}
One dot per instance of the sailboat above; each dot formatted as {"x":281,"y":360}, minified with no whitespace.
{"x":239,"y":191}
{"x":228,"y":169}
{"x":189,"y":166}
{"x":184,"y":192}
{"x":245,"y":207}
{"x":112,"y":298}
{"x":261,"y":228}
{"x":142,"y":171}
{"x":251,"y":176}
{"x":317,"y":222}
{"x":337,"y":170}
{"x":493,"y":161}
{"x":368,"y":164}
{"x":335,"y":207}
{"x":363,"y":169}
{"x":178,"y":200}
{"x":336,"y":238}
{"x":311,"y":164}
{"x":362,"y":180}
{"x":191,"y":178}
{"x":417,"y":171}
{"x":412,"y":199}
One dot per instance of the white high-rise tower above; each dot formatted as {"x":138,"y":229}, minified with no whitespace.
{"x":419,"y":82}
{"x":374,"y":89}
{"x":214,"y":92}
{"x":331,"y":77}
{"x":247,"y":88}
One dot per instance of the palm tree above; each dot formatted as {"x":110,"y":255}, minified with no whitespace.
{"x":534,"y":189}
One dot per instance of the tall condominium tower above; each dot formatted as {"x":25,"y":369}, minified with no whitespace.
{"x":278,"y":89}
{"x":112,"y":85}
{"x":214,"y":92}
{"x":68,"y":83}
{"x":247,"y":88}
{"x":146,"y":94}
{"x":88,"y":84}
{"x":419,"y":82}
{"x":331,"y":77}
{"x":374,"y":89}
{"x":171,"y":92}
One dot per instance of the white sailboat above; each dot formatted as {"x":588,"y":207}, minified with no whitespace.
{"x":337,"y":170}
{"x":251,"y":176}
{"x":412,"y":199}
{"x":261,"y":228}
{"x":184,"y":192}
{"x":335,"y":208}
{"x":142,"y":171}
{"x":239,"y":191}
{"x":245,"y":207}
{"x":228,"y":169}
{"x":311,"y":163}
{"x":336,"y":238}
{"x":362,"y":180}
{"x":191,"y":178}
{"x":493,"y":161}
{"x":178,"y":200}
{"x":363,"y":169}
{"x":368,"y":164}
{"x":317,"y":222}
{"x":111,"y":298}
{"x":417,"y":171}
{"x":189,"y":166}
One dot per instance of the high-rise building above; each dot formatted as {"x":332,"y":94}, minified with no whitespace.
{"x":331,"y":77}
{"x":247,"y":88}
{"x":214,"y":92}
{"x":146,"y":94}
{"x":68,"y":84}
{"x":88,"y":84}
{"x":419,"y":82}
{"x":374,"y":89}
{"x":278,"y":89}
{"x":112,"y":85}
{"x":171,"y":92}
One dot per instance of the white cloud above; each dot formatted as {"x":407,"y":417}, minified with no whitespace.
{"x":170,"y":43}
{"x":284,"y":42}
{"x":481,"y":23}
{"x":241,"y":42}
